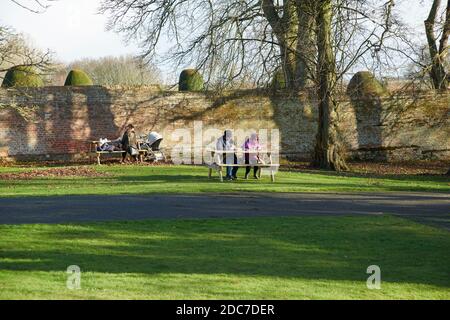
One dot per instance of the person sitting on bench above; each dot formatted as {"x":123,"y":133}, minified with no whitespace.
{"x":106,"y":145}
{"x":252,"y":144}
{"x":226,"y":143}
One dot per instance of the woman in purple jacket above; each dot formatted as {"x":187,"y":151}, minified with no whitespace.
{"x":252,"y":144}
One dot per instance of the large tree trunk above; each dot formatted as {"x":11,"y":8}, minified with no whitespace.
{"x":328,"y":151}
{"x":294,"y":32}
{"x":306,"y":44}
{"x":437,"y":73}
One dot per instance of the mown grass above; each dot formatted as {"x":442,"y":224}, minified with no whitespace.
{"x":190,"y":179}
{"x":259,"y":258}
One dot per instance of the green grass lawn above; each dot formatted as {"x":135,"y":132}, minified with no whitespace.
{"x":260,"y":258}
{"x":189,"y":179}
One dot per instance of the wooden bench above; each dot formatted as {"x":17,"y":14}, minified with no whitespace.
{"x":98,"y":154}
{"x":218,"y":166}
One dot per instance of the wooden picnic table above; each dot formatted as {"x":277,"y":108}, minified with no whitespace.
{"x":93,"y":151}
{"x":218,"y":165}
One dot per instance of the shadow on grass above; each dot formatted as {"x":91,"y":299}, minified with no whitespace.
{"x":142,"y":180}
{"x":400,"y":177}
{"x":194,"y":183}
{"x":308,"y":248}
{"x":283,"y":182}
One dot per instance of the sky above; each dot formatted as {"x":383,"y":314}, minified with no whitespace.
{"x":72,"y":29}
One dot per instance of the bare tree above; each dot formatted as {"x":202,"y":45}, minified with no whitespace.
{"x":346,"y":33}
{"x":16,"y":51}
{"x":438,"y":48}
{"x":314,"y":42}
{"x":224,"y":38}
{"x":110,"y":71}
{"x":35,"y":6}
{"x":328,"y":153}
{"x":294,"y":31}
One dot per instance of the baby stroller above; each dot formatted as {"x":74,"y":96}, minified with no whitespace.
{"x":151,"y":144}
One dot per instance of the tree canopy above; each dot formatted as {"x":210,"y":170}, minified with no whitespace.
{"x":230,"y":41}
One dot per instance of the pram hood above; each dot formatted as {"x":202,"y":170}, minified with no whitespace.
{"x":153,"y":137}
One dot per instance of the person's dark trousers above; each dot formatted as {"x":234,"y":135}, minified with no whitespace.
{"x":247,"y":169}
{"x":124,"y":154}
{"x":235,"y":169}
{"x":231,"y":171}
{"x":128,"y":151}
{"x":255,"y":171}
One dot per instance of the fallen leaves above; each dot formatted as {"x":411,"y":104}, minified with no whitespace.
{"x":381,"y":168}
{"x":59,"y":172}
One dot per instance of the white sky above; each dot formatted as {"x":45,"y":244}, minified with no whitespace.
{"x":72,"y":29}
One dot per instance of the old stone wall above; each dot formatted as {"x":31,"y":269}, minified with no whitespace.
{"x":58,"y":122}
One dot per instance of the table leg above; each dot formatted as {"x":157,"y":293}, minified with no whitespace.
{"x":220,"y":174}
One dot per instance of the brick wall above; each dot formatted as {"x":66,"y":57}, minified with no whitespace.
{"x":57,"y":122}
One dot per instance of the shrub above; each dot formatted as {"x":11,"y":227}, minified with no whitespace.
{"x":279,"y":80}
{"x":78,"y":77}
{"x":22,"y":76}
{"x":190,"y":80}
{"x":365,"y":85}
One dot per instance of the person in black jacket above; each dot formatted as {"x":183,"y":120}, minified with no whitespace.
{"x":130,"y":144}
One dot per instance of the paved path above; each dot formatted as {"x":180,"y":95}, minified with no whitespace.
{"x":424,"y":207}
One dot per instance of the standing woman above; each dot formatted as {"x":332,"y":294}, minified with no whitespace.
{"x":130,"y":144}
{"x":252,"y":144}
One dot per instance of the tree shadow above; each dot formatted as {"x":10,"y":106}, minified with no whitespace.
{"x":171,"y":180}
{"x":10,"y":145}
{"x":63,"y":122}
{"x":96,"y":113}
{"x":22,"y":136}
{"x":297,"y":248}
{"x":369,"y":127}
{"x":370,"y":175}
{"x":295,"y":117}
